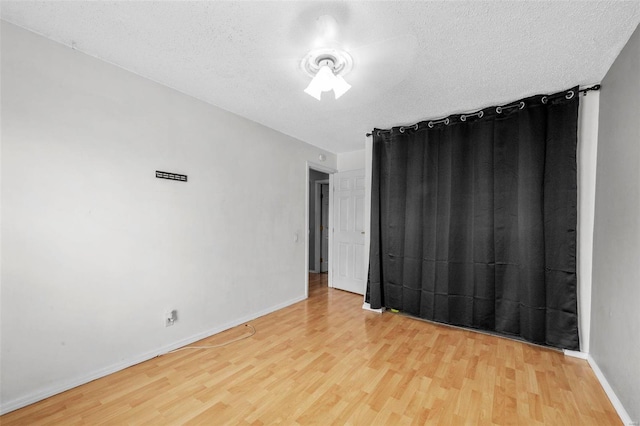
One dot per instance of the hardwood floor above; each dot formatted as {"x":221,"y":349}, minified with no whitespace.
{"x":326,"y":361}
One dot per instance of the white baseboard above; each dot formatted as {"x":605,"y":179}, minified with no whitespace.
{"x":63,"y":386}
{"x":622,"y":413}
{"x":575,"y":354}
{"x":367,"y":307}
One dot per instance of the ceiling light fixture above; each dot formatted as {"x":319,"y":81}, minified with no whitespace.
{"x":327,"y":66}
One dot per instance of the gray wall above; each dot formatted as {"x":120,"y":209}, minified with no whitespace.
{"x":314,"y":175}
{"x":615,"y":314}
{"x":95,"y":249}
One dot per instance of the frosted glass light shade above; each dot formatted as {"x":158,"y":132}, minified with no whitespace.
{"x":340,"y":86}
{"x":324,"y":81}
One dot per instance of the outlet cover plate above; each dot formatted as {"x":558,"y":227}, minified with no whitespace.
{"x":170,"y":318}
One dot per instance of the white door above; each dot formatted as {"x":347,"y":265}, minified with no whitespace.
{"x":348,"y":231}
{"x":324,"y":228}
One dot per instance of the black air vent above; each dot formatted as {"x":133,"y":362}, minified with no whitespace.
{"x":171,"y":176}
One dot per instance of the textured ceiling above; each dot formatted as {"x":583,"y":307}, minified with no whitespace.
{"x":412,"y":60}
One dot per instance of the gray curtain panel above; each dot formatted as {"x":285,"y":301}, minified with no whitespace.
{"x":473,"y":221}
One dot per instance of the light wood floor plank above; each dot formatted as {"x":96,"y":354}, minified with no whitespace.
{"x":326,"y":361}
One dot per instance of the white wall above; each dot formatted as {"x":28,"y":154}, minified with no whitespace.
{"x":368,"y":174}
{"x":615,"y":313}
{"x":351,"y":160}
{"x":95,"y":249}
{"x":586,"y":158}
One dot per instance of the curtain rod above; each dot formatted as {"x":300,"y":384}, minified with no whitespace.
{"x":585,"y":90}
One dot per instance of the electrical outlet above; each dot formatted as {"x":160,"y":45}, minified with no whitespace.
{"x":170,"y":318}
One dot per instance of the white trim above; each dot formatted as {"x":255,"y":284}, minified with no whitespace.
{"x":367,"y":307}
{"x":65,"y":385}
{"x":575,"y":354}
{"x":306,"y":232}
{"x":331,"y":201}
{"x":617,"y":404}
{"x":317,"y":218}
{"x":318,"y":167}
{"x":317,"y":187}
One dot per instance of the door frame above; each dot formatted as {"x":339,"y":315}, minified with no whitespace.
{"x":330,"y":171}
{"x":318,"y":222}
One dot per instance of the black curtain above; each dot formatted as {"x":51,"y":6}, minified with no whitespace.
{"x":473,"y":220}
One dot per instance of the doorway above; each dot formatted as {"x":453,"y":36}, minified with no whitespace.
{"x":324,"y":227}
{"x":319,"y":237}
{"x":318,"y":221}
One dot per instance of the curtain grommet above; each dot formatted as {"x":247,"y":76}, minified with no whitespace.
{"x":446,"y":121}
{"x":416,"y":127}
{"x":544,"y":100}
{"x":478,"y":114}
{"x":430,"y":124}
{"x":401,"y":129}
{"x":570,"y":95}
{"x":499,"y":110}
{"x":521,"y":105}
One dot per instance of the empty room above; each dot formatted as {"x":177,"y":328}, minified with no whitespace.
{"x":320,"y":212}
